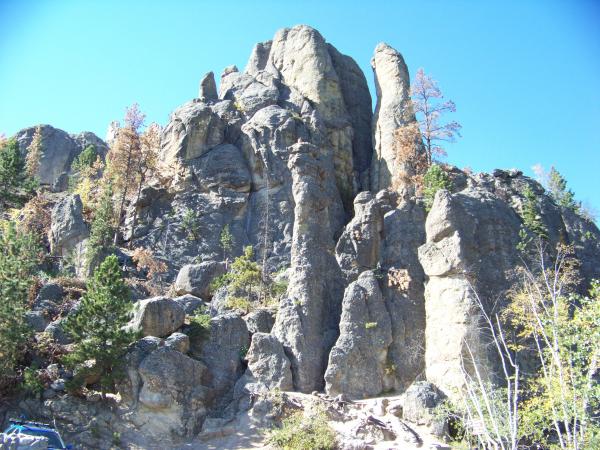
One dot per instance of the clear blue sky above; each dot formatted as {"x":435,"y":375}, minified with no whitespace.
{"x":525,"y":75}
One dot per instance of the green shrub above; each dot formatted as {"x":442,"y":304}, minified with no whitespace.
{"x":370,"y":325}
{"x":85,"y":159}
{"x":298,"y":432}
{"x":31,"y":381}
{"x":247,"y":285}
{"x":190,"y":224}
{"x":434,"y":179}
{"x":199,"y":325}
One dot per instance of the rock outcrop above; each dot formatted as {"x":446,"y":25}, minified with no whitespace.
{"x":358,"y":363}
{"x":382,"y":296}
{"x":59,"y":149}
{"x":393,"y":110}
{"x":307,"y":320}
{"x":68,"y":229}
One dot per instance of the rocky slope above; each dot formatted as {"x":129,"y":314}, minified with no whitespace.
{"x":290,"y":157}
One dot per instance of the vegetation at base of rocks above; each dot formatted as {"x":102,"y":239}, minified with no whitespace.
{"x":434,"y":179}
{"x":247,"y":285}
{"x":98,"y":329}
{"x":304,"y":432}
{"x":87,"y":180}
{"x":199,"y":327}
{"x":32,"y":384}
{"x":34,"y":218}
{"x":18,"y":263}
{"x":190,"y":223}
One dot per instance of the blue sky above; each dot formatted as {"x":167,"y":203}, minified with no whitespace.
{"x":525,"y":75}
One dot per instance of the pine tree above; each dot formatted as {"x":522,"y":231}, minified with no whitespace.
{"x":12,"y":168}
{"x":102,"y":228}
{"x":530,"y":213}
{"x":98,"y":326}
{"x":557,"y":186}
{"x":34,"y":154}
{"x":18,"y":260}
{"x":434,"y":179}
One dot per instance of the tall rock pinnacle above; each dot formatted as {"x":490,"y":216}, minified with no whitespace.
{"x":394,"y":109}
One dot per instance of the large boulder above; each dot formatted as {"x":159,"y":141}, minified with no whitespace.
{"x":195,"y":279}
{"x":157,"y":316}
{"x":404,"y":290}
{"x":189,"y":303}
{"x":359,"y":359}
{"x":172,"y":398}
{"x":67,"y":229}
{"x":421,"y":401}
{"x":223,"y":351}
{"x":358,"y":248}
{"x":268,"y":367}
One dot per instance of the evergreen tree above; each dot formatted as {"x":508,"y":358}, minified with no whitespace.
{"x":98,"y":326}
{"x":18,"y":260}
{"x":532,"y":220}
{"x":557,"y":186}
{"x":85,"y":159}
{"x":102,"y":228}
{"x":435,"y":179}
{"x":12,"y":168}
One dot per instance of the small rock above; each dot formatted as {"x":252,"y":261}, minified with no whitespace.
{"x":178,"y":341}
{"x":58,"y":385}
{"x":260,"y":321}
{"x":36,"y":320}
{"x":189,"y":303}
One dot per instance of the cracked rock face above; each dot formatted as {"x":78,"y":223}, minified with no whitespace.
{"x":359,"y":359}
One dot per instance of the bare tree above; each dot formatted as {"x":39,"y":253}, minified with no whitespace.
{"x":429,"y":107}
